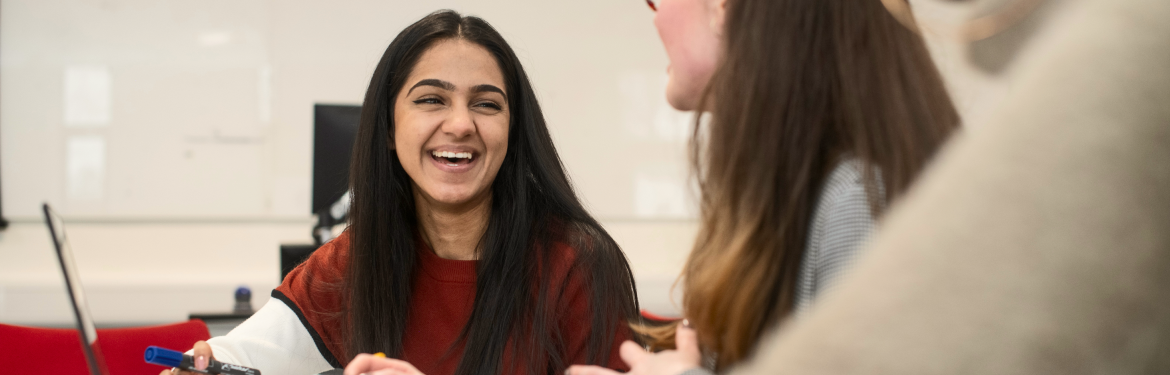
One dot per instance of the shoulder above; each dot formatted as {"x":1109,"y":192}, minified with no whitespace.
{"x":571,"y":243}
{"x":562,"y":260}
{"x":315,"y":292}
{"x":843,"y":218}
{"x":575,"y":258}
{"x":846,"y":182}
{"x":842,"y":221}
{"x":327,"y":264}
{"x":845,"y":196}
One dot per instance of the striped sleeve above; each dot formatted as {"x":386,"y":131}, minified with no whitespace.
{"x":842,"y":223}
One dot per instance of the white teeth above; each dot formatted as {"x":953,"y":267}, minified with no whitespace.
{"x":448,"y":154}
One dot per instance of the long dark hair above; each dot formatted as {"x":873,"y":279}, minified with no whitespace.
{"x":803,"y":85}
{"x":533,"y":207}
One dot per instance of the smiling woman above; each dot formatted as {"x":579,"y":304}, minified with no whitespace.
{"x":467,"y":250}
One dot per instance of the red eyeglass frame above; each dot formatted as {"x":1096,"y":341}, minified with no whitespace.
{"x":652,"y":6}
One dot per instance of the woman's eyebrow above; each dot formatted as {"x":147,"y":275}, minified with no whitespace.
{"x":433,"y":82}
{"x":488,"y":88}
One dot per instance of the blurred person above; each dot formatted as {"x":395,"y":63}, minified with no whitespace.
{"x":467,"y":250}
{"x":1038,"y":243}
{"x":822,"y":112}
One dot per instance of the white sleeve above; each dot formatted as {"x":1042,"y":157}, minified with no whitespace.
{"x":273,"y":341}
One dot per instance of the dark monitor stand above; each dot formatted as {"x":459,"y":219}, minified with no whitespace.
{"x":334,"y":128}
{"x":292,"y":256}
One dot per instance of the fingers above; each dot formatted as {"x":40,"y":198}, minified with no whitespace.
{"x":589,"y":370}
{"x":393,"y":372}
{"x":372,"y":364}
{"x":397,"y":366}
{"x":176,"y":371}
{"x":359,"y":364}
{"x":632,"y":353}
{"x":201,"y":353}
{"x":686,"y":340}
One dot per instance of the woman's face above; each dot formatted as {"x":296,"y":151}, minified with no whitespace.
{"x":690,"y":32}
{"x":451,"y":123}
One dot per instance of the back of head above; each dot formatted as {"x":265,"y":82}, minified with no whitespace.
{"x":803,"y":85}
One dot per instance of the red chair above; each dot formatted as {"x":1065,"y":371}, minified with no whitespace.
{"x":33,"y":350}
{"x":655,"y":319}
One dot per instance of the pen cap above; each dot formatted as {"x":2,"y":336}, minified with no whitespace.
{"x":163,"y":357}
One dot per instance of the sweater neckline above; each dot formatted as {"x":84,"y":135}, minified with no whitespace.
{"x":445,"y":270}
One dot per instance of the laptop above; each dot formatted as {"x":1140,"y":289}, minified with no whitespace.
{"x":89,"y":341}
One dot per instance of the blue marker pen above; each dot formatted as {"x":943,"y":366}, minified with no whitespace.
{"x":171,"y":358}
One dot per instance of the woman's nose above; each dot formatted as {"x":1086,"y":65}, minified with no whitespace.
{"x":460,"y":124}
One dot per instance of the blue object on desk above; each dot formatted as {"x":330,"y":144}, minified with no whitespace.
{"x":163,"y":357}
{"x":243,"y":300}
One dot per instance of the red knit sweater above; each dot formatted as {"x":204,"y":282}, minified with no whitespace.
{"x":441,"y":304}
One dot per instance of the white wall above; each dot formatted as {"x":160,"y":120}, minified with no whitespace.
{"x":207,"y":132}
{"x":203,"y":120}
{"x":212,"y":100}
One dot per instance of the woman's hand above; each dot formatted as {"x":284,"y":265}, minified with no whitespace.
{"x":378,"y":364}
{"x":201,"y":354}
{"x":666,"y":362}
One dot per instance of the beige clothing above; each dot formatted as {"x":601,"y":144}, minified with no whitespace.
{"x":1039,"y":242}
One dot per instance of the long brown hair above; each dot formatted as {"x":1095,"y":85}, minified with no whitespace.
{"x":802,"y":86}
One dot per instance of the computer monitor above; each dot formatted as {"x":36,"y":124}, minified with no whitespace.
{"x":334,"y":129}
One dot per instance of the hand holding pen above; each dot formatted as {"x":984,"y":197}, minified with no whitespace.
{"x":201,"y":361}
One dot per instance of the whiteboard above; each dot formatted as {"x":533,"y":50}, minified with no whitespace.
{"x":125,"y":109}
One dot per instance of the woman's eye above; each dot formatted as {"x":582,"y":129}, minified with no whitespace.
{"x":489,"y":105}
{"x":428,"y":101}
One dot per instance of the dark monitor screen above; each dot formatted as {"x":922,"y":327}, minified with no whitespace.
{"x":334,"y":128}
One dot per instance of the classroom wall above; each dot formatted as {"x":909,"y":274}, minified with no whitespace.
{"x":175,"y":137}
{"x":180,"y":183}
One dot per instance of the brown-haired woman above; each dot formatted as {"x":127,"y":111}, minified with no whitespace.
{"x":822,"y":112}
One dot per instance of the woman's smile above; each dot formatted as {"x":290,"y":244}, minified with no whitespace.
{"x":454,"y":159}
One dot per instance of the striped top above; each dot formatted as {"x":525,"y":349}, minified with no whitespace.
{"x":841,"y":224}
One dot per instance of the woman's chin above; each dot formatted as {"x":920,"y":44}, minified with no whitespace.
{"x":454,"y":197}
{"x":680,"y":98}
